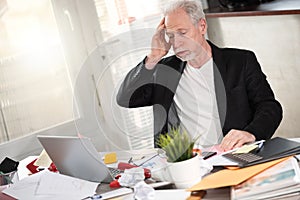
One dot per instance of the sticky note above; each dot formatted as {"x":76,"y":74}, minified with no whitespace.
{"x":246,"y":148}
{"x":110,"y":158}
{"x":43,"y":160}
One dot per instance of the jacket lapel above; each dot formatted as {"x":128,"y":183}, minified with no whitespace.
{"x":219,"y":68}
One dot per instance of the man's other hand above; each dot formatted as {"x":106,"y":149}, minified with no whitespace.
{"x":235,"y":139}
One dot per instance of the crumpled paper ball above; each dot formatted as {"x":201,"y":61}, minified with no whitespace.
{"x":132,"y":176}
{"x":143,"y":191}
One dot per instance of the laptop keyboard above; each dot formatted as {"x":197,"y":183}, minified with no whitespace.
{"x":114,"y":171}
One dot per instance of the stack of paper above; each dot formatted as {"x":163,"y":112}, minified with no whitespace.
{"x":48,"y":185}
{"x":281,"y":179}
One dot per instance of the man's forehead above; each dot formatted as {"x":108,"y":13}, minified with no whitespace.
{"x":177,"y":27}
{"x":171,"y":31}
{"x":177,"y":20}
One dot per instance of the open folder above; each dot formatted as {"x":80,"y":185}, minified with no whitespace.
{"x":230,"y":177}
{"x":272,"y":149}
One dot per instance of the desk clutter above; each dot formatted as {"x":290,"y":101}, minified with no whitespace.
{"x":272,"y":171}
{"x":140,"y":172}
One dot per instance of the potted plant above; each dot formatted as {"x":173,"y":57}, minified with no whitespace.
{"x":184,"y":166}
{"x":177,"y":144}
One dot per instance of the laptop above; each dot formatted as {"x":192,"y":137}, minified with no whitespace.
{"x":77,"y":157}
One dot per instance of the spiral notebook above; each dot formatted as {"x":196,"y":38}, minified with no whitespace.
{"x":273,"y":149}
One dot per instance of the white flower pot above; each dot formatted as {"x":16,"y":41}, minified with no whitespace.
{"x":186,"y":173}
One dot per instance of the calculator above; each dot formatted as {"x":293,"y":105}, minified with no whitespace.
{"x":243,"y":158}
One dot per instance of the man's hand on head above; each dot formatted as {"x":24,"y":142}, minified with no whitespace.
{"x":236,"y":138}
{"x":159,"y":46}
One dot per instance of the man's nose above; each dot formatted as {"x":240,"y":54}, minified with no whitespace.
{"x":177,"y":42}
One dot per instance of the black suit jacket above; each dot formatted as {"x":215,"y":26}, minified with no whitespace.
{"x":245,"y":99}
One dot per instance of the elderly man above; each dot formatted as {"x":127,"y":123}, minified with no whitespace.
{"x":219,"y":94}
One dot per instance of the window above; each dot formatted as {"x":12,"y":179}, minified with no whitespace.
{"x":61,"y":63}
{"x":36,"y":91}
{"x":43,"y":88}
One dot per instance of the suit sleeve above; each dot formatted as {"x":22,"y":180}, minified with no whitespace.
{"x":136,"y":89}
{"x":267,"y":110}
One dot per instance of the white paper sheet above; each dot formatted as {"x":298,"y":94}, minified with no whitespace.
{"x":47,"y":185}
{"x":166,"y":194}
{"x":220,"y":160}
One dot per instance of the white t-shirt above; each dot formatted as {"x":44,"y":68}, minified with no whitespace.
{"x":196,"y":105}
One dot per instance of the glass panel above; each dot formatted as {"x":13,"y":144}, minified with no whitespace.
{"x":35,"y":87}
{"x":118,"y":16}
{"x":125,"y":45}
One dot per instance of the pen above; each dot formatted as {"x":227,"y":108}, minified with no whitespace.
{"x":260,"y":146}
{"x":258,"y":142}
{"x":95,"y":196}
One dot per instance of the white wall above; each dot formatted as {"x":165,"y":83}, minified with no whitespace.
{"x":276,"y":42}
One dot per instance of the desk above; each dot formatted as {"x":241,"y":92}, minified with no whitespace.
{"x":164,"y":193}
{"x":171,"y":193}
{"x":179,"y":194}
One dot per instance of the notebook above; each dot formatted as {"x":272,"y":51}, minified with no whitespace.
{"x":274,"y":148}
{"x":77,"y":157}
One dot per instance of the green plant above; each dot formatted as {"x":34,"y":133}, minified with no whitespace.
{"x":177,"y":144}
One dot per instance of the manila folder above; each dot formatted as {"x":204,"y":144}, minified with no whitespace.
{"x":230,"y":177}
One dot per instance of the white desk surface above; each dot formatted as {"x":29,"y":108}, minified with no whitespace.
{"x":176,"y":194}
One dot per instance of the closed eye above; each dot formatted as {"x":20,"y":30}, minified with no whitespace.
{"x":170,"y":35}
{"x":182,"y":32}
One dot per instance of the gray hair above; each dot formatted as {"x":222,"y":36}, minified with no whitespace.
{"x":192,"y":7}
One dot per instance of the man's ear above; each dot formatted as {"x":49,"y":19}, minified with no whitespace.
{"x":202,"y":25}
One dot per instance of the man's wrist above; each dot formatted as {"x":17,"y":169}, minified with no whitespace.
{"x":151,"y":61}
{"x":252,"y":136}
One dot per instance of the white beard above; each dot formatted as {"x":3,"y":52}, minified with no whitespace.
{"x":188,"y":57}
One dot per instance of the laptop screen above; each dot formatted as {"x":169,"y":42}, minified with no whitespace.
{"x":76,"y":157}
